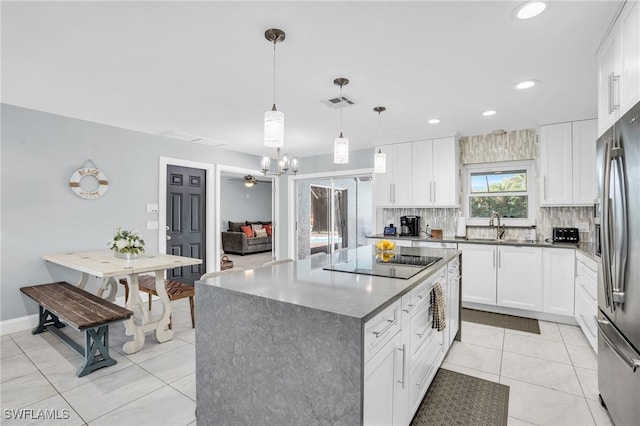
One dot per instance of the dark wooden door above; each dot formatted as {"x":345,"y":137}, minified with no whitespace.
{"x":186,"y":236}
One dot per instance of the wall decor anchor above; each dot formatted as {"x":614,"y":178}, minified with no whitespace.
{"x":89,"y":169}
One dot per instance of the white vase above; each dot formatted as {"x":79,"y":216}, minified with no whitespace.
{"x":127,"y":256}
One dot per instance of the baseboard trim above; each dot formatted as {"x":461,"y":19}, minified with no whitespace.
{"x":522,"y":313}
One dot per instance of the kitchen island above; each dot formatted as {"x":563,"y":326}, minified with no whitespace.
{"x":299,"y":344}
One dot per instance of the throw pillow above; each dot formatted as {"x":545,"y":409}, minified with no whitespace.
{"x":261,"y":233}
{"x":235,"y":226}
{"x":247,"y":230}
{"x":268,"y":229}
{"x":255,"y":227}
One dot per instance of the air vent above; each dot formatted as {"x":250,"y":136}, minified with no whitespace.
{"x":340,"y":102}
{"x":192,"y":138}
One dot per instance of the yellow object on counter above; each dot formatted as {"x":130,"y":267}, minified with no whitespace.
{"x":385,"y":245}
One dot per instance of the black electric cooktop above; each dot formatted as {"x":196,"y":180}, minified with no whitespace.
{"x":386,"y":264}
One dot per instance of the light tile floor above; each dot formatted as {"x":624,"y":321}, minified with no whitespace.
{"x":552,"y":376}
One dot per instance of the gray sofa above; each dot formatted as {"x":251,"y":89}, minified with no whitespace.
{"x":234,"y":241}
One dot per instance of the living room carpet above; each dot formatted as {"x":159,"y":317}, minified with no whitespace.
{"x":500,"y":320}
{"x":457,"y":399}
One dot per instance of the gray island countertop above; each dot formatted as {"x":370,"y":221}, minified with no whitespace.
{"x":306,"y":283}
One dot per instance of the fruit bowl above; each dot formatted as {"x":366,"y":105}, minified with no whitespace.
{"x":385,"y":245}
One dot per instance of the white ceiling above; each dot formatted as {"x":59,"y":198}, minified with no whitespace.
{"x":205,"y":68}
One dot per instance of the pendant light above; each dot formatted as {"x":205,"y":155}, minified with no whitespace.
{"x":341,"y":144}
{"x":380,"y":158}
{"x":274,"y":119}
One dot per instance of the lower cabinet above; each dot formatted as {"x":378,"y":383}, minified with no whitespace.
{"x":453,"y":299}
{"x":403,"y":352}
{"x":479,"y":272}
{"x":558,"y":280}
{"x":586,"y":307}
{"x":519,"y":283}
{"x":382,"y":381}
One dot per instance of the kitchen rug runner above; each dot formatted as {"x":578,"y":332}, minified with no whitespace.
{"x":457,"y":399}
{"x":500,"y":320}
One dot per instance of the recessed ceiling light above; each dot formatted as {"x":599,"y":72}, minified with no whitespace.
{"x":530,"y":9}
{"x":489,"y":112}
{"x":433,"y":121}
{"x":527,"y":84}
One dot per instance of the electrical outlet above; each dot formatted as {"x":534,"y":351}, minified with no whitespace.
{"x":583,"y":226}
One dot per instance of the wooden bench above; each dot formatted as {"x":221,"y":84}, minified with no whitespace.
{"x":84,"y":312}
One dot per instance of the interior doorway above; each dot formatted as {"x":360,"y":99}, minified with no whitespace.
{"x":332,"y":213}
{"x":244,"y":195}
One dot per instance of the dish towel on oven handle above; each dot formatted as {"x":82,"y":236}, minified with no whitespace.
{"x":437,"y":306}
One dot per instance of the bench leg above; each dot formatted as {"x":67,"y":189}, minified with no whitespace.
{"x":46,"y":318}
{"x":96,"y":350}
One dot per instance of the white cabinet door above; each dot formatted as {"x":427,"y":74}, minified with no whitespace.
{"x":519,"y":283}
{"x":608,"y":68}
{"x":402,"y":174}
{"x":584,"y":158}
{"x":381,"y":375}
{"x":630,"y":57}
{"x":558,"y":280}
{"x":479,"y":273}
{"x":422,"y":173}
{"x":445,"y":179}
{"x":382,"y":182}
{"x":555,"y":164}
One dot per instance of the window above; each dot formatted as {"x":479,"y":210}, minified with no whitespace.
{"x":501,"y":187}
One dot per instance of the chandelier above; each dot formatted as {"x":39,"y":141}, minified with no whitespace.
{"x":283,"y":165}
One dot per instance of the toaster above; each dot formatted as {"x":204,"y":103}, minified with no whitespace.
{"x":565,"y":235}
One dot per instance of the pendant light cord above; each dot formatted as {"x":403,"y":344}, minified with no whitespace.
{"x":341,"y":107}
{"x":274,"y":75}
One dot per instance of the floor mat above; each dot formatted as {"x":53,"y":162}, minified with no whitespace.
{"x":457,"y":399}
{"x":500,"y":320}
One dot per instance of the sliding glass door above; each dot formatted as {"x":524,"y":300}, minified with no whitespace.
{"x":332,"y":214}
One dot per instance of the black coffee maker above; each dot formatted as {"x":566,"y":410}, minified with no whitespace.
{"x":409,"y":226}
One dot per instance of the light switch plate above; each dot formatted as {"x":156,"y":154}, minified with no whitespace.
{"x":583,"y":226}
{"x":152,"y":224}
{"x":152,"y":208}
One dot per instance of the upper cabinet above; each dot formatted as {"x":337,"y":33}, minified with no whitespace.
{"x":619,"y":67}
{"x":567,"y":163}
{"x":419,"y":174}
{"x":393,"y":188}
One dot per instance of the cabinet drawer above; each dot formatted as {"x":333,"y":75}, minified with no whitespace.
{"x":586,"y":311}
{"x":420,"y":293}
{"x":380,"y":329}
{"x":423,"y":370}
{"x":421,"y":331}
{"x":588,"y":279}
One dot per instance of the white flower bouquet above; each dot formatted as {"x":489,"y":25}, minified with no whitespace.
{"x":126,"y":242}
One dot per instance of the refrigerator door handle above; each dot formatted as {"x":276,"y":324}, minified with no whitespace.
{"x":620,"y":211}
{"x":605,"y":228}
{"x":633,"y":363}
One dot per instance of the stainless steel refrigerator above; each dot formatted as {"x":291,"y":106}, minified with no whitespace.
{"x":618,"y":228}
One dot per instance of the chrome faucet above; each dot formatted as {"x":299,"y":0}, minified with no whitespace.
{"x":500,"y":229}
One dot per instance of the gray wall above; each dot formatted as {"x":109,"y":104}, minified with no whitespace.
{"x":239,"y":203}
{"x":40,"y":214}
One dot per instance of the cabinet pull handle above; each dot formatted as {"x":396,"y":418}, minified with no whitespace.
{"x":544,"y":187}
{"x":410,"y":308}
{"x":424,"y":330}
{"x":494,"y":258}
{"x":402,"y":377}
{"x":499,"y":259}
{"x":435,"y":197}
{"x":384,"y":330}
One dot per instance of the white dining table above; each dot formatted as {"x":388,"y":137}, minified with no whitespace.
{"x":103,"y":264}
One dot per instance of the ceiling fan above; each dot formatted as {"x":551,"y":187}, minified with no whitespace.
{"x":248,"y":180}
